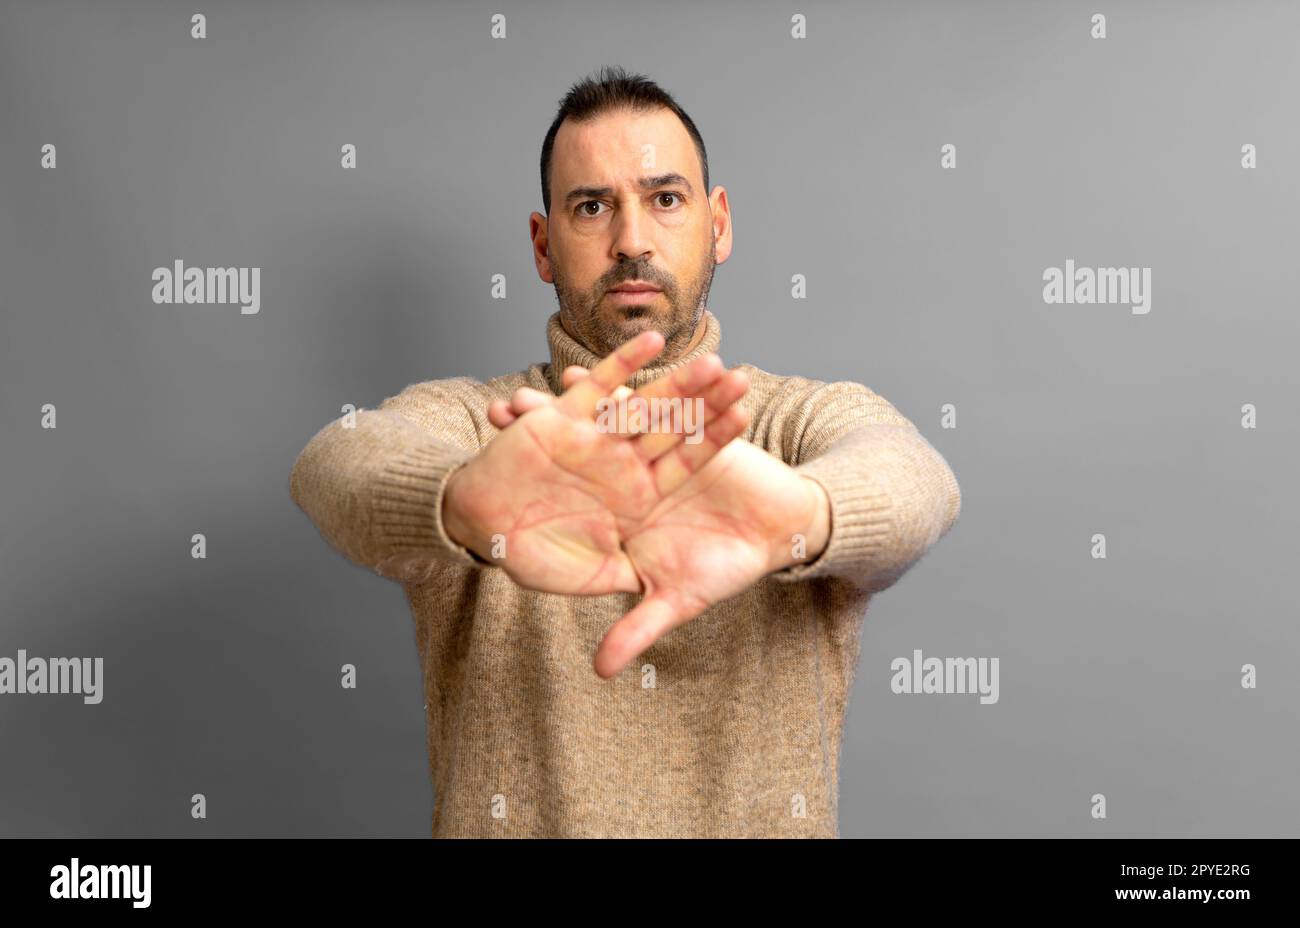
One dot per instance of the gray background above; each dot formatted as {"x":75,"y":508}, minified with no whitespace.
{"x":1118,"y":676}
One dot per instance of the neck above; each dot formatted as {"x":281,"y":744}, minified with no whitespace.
{"x":567,"y":350}
{"x":698,"y":337}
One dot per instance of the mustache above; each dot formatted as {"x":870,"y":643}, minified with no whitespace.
{"x":647,"y":275}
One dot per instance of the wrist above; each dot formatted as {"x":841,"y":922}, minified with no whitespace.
{"x":454,"y":522}
{"x":818,"y":531}
{"x":809,"y":539}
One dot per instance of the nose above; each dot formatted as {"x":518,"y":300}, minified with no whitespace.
{"x":631,"y":239}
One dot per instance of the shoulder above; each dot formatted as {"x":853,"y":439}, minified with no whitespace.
{"x":460,"y":399}
{"x":783,"y":395}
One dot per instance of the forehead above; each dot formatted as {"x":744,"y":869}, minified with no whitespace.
{"x":613,"y":147}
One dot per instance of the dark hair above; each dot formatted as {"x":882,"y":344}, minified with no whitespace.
{"x":613,"y":88}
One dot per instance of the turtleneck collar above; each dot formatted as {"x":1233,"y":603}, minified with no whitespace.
{"x":565,"y":351}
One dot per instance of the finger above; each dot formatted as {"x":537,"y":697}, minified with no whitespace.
{"x":526,"y":398}
{"x":702,"y":408}
{"x":500,"y":414}
{"x":680,"y":464}
{"x":540,"y":398}
{"x":574,"y":373}
{"x":655,"y":616}
{"x":686,"y":380}
{"x":571,"y":375}
{"x":611,"y":372}
{"x":682,"y":381}
{"x":705,"y":379}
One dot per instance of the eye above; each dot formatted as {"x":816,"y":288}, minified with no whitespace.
{"x":582,"y":209}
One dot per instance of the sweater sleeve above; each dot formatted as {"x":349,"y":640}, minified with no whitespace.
{"x":374,"y":490}
{"x":892,"y":494}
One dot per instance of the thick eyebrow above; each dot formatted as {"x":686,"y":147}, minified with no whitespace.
{"x":645,"y":183}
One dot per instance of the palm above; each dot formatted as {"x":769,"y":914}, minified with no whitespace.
{"x":571,"y":488}
{"x":712,"y":538}
{"x":554,"y":494}
{"x":600,"y":513}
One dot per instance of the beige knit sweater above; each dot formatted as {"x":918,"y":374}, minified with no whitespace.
{"x":729,"y":725}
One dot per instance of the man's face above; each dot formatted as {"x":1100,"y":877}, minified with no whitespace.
{"x":628,"y":204}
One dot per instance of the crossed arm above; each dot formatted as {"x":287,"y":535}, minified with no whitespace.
{"x":835,"y":464}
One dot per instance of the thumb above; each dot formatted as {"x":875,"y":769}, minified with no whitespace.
{"x":655,"y":616}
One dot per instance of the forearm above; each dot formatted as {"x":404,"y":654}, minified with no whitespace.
{"x":375,"y":492}
{"x":890,"y":496}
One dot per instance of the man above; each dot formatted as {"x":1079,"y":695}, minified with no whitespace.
{"x":632,"y":632}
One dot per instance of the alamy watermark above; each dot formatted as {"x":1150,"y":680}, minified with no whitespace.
{"x":179,"y":284}
{"x":634,"y":415}
{"x":946,"y":675}
{"x":1131,"y":285}
{"x":105,"y":881}
{"x":56,"y":675}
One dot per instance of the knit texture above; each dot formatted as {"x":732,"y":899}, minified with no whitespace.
{"x":730,"y":725}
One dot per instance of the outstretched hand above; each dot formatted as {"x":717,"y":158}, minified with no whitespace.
{"x":740,"y":515}
{"x":552,"y":497}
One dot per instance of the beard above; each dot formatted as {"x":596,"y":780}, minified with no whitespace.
{"x":601,"y":325}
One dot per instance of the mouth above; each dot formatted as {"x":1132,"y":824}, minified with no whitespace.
{"x":633,"y":293}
